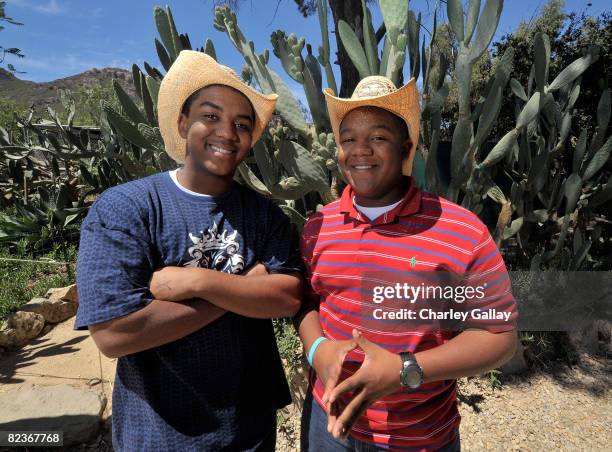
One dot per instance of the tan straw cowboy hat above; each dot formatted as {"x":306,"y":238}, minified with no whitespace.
{"x":190,"y":72}
{"x":378,"y":91}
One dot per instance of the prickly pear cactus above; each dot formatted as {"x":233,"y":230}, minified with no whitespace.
{"x":296,"y":164}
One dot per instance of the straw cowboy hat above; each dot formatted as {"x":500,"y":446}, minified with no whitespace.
{"x":378,"y":91}
{"x":190,"y":72}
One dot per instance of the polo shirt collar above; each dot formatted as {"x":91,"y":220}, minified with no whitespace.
{"x":409,"y":205}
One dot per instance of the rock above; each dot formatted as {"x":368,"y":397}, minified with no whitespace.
{"x":46,"y":329}
{"x":54,"y":311}
{"x":517,"y":363}
{"x":76,"y":412}
{"x":68,"y":293}
{"x":19,"y":328}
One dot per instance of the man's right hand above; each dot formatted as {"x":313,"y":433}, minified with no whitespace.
{"x":327,"y":363}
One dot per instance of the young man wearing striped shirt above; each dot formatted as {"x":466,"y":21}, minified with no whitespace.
{"x":380,"y":382}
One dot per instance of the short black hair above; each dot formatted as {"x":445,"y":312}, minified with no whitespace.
{"x":187,"y":104}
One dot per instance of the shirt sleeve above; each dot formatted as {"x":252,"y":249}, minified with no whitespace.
{"x":308,"y":241}
{"x":493,"y":307}
{"x":280,"y":251}
{"x":115,"y":261}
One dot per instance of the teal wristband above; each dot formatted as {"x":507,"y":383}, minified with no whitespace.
{"x":313,"y":348}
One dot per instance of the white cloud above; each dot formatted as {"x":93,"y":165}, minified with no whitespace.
{"x":50,"y":7}
{"x":120,"y":63}
{"x":67,"y":63}
{"x":29,"y":63}
{"x":44,"y":69}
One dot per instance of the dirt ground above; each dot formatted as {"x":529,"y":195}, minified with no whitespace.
{"x":559,"y":408}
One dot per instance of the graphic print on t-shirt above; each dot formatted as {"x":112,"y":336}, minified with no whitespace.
{"x":214,"y":250}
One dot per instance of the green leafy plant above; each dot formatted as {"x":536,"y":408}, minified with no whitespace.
{"x":541,"y":187}
{"x":493,"y":377}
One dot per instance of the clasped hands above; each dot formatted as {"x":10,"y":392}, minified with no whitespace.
{"x":378,"y":376}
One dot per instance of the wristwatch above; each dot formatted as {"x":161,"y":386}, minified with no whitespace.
{"x":411,"y":374}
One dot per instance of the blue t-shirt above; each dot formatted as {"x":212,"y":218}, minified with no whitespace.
{"x":215,"y":389}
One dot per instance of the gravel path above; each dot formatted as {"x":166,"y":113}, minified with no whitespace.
{"x":561,"y":408}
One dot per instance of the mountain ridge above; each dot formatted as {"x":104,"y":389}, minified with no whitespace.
{"x":46,"y":94}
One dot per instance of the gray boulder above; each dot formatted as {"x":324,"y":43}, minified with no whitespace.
{"x":54,"y":311}
{"x":76,"y":412}
{"x":19,"y":328}
{"x":68,"y":293}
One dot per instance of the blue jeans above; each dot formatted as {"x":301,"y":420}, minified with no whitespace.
{"x":316,"y":438}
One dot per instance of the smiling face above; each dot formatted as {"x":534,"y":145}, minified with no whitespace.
{"x":373,"y":143}
{"x":217,"y":123}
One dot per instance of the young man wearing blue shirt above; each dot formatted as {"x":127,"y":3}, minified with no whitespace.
{"x":180,"y":273}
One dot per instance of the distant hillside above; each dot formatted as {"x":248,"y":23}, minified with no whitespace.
{"x":45,"y":94}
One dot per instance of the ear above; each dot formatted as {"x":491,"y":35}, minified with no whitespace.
{"x":406,"y":147}
{"x":183,"y":126}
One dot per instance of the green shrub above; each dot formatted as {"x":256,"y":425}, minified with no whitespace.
{"x":25,"y":276}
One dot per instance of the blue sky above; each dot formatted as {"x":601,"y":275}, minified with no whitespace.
{"x":66,"y":37}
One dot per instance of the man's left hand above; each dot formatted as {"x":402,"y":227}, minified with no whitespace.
{"x":379,"y":375}
{"x":174,"y":283}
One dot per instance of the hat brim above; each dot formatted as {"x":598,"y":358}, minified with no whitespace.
{"x":190,"y":72}
{"x":403,"y":102}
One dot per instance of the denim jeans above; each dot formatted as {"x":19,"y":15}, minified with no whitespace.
{"x":316,"y":438}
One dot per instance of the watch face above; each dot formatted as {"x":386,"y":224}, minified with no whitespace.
{"x":413,"y":378}
{"x":411,"y":375}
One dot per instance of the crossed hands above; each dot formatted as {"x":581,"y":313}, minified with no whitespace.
{"x":180,"y":283}
{"x":377,"y":377}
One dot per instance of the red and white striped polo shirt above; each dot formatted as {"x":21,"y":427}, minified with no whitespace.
{"x":343,"y":249}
